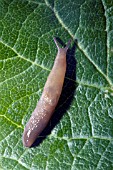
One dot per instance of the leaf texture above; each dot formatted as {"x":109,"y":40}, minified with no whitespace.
{"x":80,"y":133}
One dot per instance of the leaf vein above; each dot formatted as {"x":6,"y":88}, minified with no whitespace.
{"x":12,"y":122}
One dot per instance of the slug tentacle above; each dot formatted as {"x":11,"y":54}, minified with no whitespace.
{"x":56,"y":43}
{"x":49,"y":98}
{"x":66,"y":47}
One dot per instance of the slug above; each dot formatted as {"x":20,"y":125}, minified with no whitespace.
{"x":49,"y":98}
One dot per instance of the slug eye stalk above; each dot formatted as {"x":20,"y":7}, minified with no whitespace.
{"x":66,"y":47}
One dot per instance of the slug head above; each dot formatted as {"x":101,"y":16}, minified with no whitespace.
{"x":61,"y":50}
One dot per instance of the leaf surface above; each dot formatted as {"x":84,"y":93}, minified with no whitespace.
{"x":80,"y":133}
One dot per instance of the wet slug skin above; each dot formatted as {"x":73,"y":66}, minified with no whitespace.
{"x":49,"y":99}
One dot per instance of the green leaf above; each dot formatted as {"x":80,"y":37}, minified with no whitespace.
{"x":80,"y":134}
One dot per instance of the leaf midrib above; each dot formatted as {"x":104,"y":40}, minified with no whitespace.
{"x":86,"y":55}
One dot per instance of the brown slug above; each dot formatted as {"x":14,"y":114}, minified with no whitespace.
{"x":49,"y":98}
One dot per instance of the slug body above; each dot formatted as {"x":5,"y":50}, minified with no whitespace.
{"x":49,"y":99}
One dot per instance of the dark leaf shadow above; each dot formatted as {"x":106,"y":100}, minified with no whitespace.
{"x":67,"y":95}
